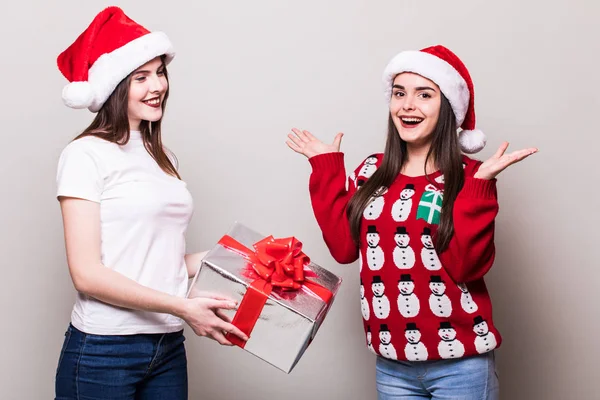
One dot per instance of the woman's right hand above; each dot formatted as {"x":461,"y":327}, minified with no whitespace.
{"x":303,"y":142}
{"x":205,"y":316}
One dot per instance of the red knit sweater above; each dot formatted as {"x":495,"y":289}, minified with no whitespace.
{"x":417,"y":305}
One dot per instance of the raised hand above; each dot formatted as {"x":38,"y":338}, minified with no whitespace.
{"x":303,"y":142}
{"x":499,"y":161}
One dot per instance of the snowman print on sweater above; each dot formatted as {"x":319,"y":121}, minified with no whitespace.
{"x":401,"y":207}
{"x":369,"y":167}
{"x":429,"y":256}
{"x":408,"y":303}
{"x":364,"y":303}
{"x":386,"y":348}
{"x":375,"y":207}
{"x":485,"y":340}
{"x":374,"y":252}
{"x":439,"y":302}
{"x":414,"y":350}
{"x":381,"y":303}
{"x":404,"y":256}
{"x":466,"y":300}
{"x":369,"y":340}
{"x":449,"y":346}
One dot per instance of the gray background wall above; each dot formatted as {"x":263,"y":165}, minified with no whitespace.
{"x":247,"y":72}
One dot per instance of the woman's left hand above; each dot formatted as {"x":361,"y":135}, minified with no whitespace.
{"x":499,"y":161}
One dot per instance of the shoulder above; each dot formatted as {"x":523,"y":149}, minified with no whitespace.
{"x":470,"y":165}
{"x":87,"y":153}
{"x":89,"y":144}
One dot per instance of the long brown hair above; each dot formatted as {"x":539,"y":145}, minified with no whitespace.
{"x":446,"y":154}
{"x":112,"y":124}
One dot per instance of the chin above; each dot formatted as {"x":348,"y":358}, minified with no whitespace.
{"x":152,"y":118}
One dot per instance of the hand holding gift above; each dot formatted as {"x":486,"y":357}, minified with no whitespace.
{"x":204,"y":314}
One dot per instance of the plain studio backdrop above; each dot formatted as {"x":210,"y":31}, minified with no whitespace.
{"x":245,"y":74}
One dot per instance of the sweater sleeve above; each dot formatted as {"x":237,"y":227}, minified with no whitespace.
{"x":471,"y":251}
{"x":330,"y":194}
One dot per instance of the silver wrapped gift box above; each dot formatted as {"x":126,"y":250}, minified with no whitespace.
{"x":288,"y":321}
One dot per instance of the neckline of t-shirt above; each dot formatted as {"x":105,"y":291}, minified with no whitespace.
{"x":135,"y":135}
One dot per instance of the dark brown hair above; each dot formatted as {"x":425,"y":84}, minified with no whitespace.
{"x":446,"y":154}
{"x":112,"y":124}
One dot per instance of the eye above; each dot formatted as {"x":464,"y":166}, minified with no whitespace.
{"x":425,"y":95}
{"x":140,"y":79}
{"x":399,"y":93}
{"x":160,"y":72}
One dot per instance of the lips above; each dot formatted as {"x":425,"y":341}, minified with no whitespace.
{"x":410,"y":122}
{"x":154,"y":102}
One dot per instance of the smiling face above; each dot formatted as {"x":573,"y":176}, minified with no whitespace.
{"x":401,"y":239}
{"x":147,"y":89}
{"x":447,"y":334}
{"x":372,"y":239}
{"x":437,"y":288}
{"x":415,"y":108}
{"x":413,"y":336}
{"x":406,"y":287}
{"x":385,"y":337}
{"x":378,"y":289}
{"x":481,"y":328}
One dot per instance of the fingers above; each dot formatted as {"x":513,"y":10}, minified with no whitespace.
{"x":220,"y":337}
{"x":222,"y":315}
{"x":226,"y":304}
{"x":501,"y":150}
{"x":337,"y":141}
{"x":232,"y":329}
{"x":301,"y":134}
{"x":309,"y":135}
{"x":519,"y":155}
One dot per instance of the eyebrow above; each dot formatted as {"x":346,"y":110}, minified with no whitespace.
{"x":417,"y":88}
{"x":145,"y":71}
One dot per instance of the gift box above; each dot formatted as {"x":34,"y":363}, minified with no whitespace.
{"x":282,"y":296}
{"x":430,"y":205}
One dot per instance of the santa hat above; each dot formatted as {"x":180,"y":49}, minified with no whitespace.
{"x":443,"y":67}
{"x":111,"y":48}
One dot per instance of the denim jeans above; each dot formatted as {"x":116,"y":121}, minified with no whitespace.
{"x":122,"y":367}
{"x":469,"y":378}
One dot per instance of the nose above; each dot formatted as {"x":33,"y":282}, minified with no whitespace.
{"x":157,"y":84}
{"x":408,"y":104}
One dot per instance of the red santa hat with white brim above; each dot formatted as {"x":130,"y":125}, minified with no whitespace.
{"x":446,"y":70}
{"x":111,"y":48}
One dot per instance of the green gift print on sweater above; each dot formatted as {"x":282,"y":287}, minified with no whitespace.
{"x":430,"y":205}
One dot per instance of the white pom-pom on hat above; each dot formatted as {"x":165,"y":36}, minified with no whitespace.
{"x":472,"y":141}
{"x":78,"y":95}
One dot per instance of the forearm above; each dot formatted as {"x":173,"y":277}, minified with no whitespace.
{"x":329,"y":199}
{"x":471,"y":251}
{"x":111,"y":287}
{"x":193,"y":261}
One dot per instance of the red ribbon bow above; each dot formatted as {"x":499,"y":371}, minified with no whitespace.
{"x":276,"y":263}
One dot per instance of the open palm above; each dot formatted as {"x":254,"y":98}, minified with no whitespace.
{"x":303,"y":142}
{"x":500,"y":161}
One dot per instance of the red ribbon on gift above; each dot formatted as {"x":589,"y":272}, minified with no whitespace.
{"x":275,"y":263}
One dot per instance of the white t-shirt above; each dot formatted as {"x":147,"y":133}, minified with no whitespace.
{"x":144,"y":214}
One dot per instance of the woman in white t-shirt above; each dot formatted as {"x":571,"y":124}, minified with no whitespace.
{"x":125,"y":213}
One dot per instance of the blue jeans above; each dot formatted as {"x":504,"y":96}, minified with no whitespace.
{"x":122,"y":367}
{"x":469,"y":378}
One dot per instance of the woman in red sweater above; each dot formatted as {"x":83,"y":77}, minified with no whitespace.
{"x":420,"y":220}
